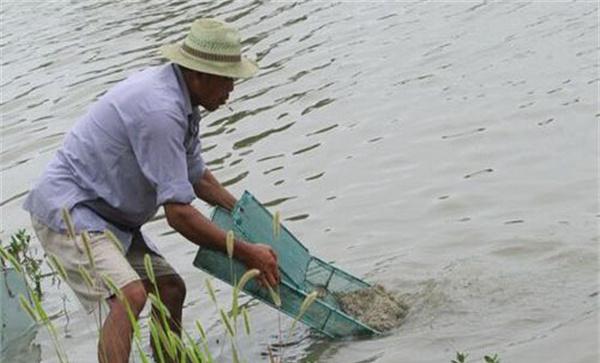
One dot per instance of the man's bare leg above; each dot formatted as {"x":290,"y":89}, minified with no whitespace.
{"x":172,"y":291}
{"x":114,"y":345}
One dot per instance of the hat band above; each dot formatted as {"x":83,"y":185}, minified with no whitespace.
{"x":210,"y":56}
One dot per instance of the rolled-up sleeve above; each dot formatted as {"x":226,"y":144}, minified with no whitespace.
{"x":158,"y":145}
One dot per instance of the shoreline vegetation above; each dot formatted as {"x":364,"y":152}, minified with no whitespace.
{"x":190,"y":346}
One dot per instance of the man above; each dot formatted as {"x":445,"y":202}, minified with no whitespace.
{"x":137,"y":149}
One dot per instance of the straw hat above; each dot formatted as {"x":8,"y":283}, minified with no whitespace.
{"x":211,"y":47}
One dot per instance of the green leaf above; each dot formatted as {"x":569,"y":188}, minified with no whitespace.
{"x":27,"y":307}
{"x":274,"y":296}
{"x":115,"y":241}
{"x":57,"y":266}
{"x":460,"y":358}
{"x":492,"y":359}
{"x":149,"y":269}
{"x":87,"y":245}
{"x":68,"y":223}
{"x":86,"y":276}
{"x":227,"y":323}
{"x":211,"y":291}
{"x":308,"y":301}
{"x":229,"y":242}
{"x":246,"y":320}
{"x":276,"y":225}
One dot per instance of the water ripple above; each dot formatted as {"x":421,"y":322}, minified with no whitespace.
{"x":370,"y":107}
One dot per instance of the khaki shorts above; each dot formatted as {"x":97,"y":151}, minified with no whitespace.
{"x":108,"y":262}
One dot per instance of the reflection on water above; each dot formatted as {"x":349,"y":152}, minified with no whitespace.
{"x":445,"y":150}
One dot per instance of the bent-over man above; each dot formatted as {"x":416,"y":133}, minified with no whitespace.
{"x":135,"y":150}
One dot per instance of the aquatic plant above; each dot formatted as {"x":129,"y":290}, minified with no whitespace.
{"x":18,"y":254}
{"x":492,"y":359}
{"x":462,"y":358}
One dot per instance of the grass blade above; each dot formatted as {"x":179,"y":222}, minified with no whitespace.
{"x":27,"y":307}
{"x":246,"y":320}
{"x":111,"y":237}
{"x":57,"y":266}
{"x":87,"y":246}
{"x":13,"y":261}
{"x":276,"y":225}
{"x":87,"y":278}
{"x":227,"y":323}
{"x":250,"y":274}
{"x":211,"y":291}
{"x":229,"y":242}
{"x":308,"y":300}
{"x":68,"y":223}
{"x":274,"y":296}
{"x":150,"y":270}
{"x":247,"y":276}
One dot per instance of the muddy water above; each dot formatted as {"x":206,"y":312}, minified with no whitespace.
{"x":374,"y":306}
{"x":445,"y":150}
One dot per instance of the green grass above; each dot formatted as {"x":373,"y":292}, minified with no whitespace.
{"x":189,"y":347}
{"x":18,"y":253}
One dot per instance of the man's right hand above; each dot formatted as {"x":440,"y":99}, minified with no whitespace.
{"x":186,"y":220}
{"x":261,"y":257}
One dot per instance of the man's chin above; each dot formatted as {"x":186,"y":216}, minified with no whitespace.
{"x":213,"y":106}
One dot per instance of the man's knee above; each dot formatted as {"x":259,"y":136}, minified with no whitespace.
{"x":172,"y":289}
{"x":135,"y":295}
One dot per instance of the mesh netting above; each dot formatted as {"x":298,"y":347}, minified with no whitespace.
{"x":300,"y":272}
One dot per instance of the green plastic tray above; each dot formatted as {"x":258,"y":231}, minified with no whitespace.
{"x":300,"y":272}
{"x":15,"y":324}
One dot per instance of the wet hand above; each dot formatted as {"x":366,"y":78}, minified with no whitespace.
{"x":263,"y":258}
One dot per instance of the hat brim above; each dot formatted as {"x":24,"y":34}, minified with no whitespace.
{"x":243,"y":69}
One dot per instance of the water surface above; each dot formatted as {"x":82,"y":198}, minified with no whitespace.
{"x":445,"y":150}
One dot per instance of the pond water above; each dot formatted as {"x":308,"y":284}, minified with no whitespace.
{"x":447,"y":151}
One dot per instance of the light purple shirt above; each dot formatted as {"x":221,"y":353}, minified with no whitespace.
{"x":136,"y":149}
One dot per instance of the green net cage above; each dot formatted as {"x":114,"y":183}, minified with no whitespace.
{"x":301,"y":273}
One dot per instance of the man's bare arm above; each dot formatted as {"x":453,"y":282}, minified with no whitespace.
{"x":212,"y":192}
{"x":189,"y":222}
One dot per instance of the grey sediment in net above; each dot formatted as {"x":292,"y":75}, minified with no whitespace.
{"x":374,"y":306}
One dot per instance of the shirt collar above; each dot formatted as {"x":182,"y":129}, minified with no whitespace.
{"x":184,"y":89}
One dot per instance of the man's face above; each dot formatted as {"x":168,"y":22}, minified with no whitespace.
{"x":210,"y":91}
